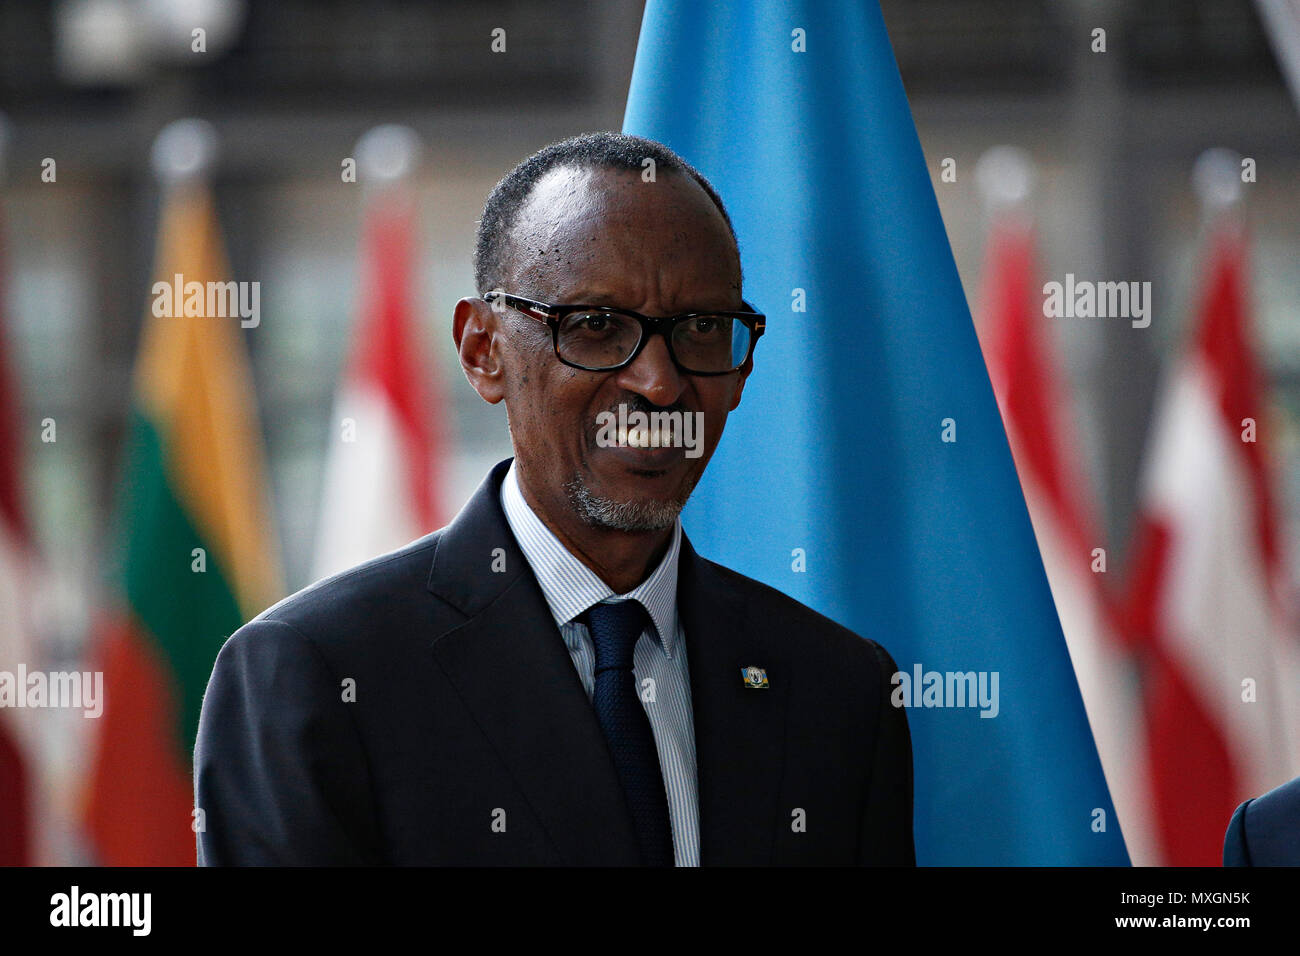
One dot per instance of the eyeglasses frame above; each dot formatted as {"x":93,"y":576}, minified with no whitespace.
{"x":552,"y":315}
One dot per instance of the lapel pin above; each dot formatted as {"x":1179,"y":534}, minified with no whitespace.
{"x":755,"y":678}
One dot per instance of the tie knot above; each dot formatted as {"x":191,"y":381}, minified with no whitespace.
{"x":615,"y":629}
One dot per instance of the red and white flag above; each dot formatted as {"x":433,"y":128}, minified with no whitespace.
{"x":1206,"y":610}
{"x":18,"y":770}
{"x":1031,"y":397}
{"x":383,"y":476}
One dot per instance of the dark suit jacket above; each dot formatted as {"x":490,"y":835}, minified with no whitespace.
{"x":1265,"y":831}
{"x":468,"y":710}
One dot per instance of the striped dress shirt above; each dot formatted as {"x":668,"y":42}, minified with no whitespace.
{"x":570,"y":588}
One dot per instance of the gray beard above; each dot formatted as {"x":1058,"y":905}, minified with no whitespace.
{"x":623,"y":515}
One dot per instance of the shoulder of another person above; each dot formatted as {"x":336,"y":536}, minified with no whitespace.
{"x":1278,"y":808}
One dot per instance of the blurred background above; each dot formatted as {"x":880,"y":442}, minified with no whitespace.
{"x":290,"y":87}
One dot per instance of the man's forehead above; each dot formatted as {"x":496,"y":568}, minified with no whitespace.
{"x":570,"y":197}
{"x":563,"y":194}
{"x":577,"y":290}
{"x":577,"y":240}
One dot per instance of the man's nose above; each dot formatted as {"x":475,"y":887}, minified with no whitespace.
{"x":654,"y":375}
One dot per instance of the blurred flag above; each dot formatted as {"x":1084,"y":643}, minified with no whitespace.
{"x":1031,"y":396}
{"x":866,"y":472}
{"x":196,"y":557}
{"x":1206,"y":606}
{"x":17,"y":760}
{"x":383,"y":477}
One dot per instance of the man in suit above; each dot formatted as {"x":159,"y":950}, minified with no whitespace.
{"x":557,"y":678}
{"x":1265,"y":831}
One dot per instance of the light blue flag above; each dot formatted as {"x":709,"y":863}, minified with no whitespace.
{"x":795,"y":111}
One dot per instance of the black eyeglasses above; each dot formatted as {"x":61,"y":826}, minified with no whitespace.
{"x":599,"y":338}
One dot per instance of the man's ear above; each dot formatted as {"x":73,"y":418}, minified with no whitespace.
{"x":741,"y":379}
{"x":476,"y":329}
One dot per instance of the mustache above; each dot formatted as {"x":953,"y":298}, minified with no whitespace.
{"x":635,"y":403}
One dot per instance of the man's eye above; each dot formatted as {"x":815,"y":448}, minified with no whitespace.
{"x":706,"y":326}
{"x":593,"y":323}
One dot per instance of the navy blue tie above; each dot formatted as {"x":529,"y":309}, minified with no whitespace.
{"x":614,"y":631}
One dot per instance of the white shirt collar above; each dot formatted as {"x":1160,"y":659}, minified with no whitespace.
{"x":570,"y":587}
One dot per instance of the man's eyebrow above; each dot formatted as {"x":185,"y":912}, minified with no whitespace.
{"x":585,"y":296}
{"x":592,"y":297}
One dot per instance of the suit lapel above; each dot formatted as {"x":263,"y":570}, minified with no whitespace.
{"x":510,"y":667}
{"x":739,"y":731}
{"x":509,"y":664}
